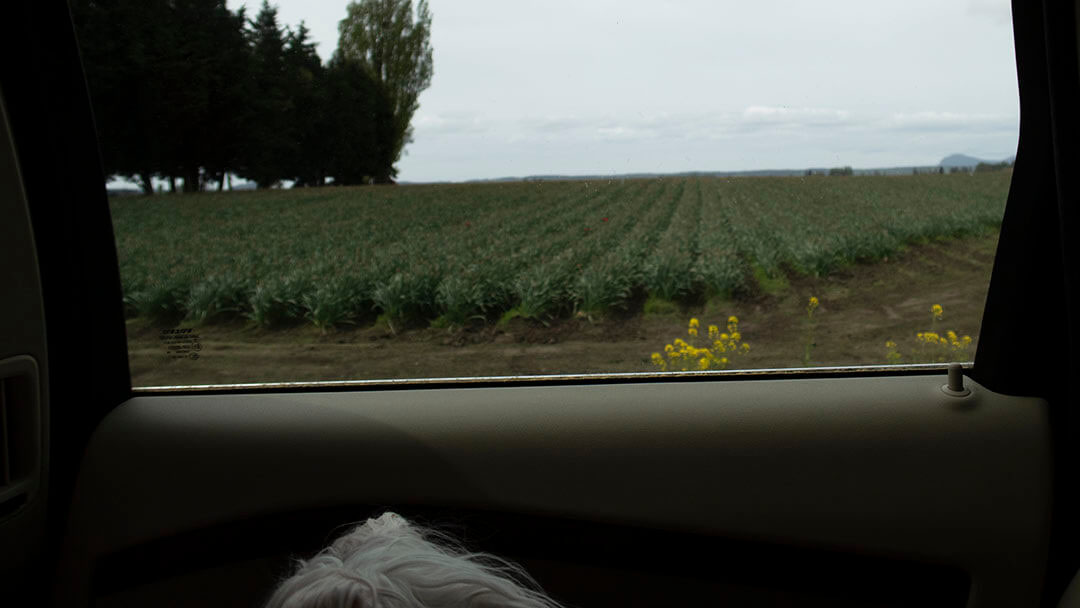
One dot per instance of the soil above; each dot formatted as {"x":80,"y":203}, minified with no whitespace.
{"x":862,"y":306}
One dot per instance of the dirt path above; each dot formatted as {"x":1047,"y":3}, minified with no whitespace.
{"x":861,"y":307}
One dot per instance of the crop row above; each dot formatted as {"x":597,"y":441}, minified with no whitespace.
{"x":455,"y":253}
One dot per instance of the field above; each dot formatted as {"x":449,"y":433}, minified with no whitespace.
{"x":452,"y":255}
{"x":548,"y":277}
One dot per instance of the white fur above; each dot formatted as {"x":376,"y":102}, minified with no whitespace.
{"x":388,"y":563}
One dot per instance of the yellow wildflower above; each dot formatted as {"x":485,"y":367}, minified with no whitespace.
{"x":686,"y":356}
{"x":932,"y":346}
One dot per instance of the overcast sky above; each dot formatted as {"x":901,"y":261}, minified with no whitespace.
{"x":526,"y":87}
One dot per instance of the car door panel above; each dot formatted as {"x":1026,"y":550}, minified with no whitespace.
{"x":887,"y":466}
{"x":24,"y":386}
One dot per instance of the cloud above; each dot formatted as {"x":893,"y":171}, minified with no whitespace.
{"x":578,"y":128}
{"x":783,"y":115}
{"x":449,"y":124}
{"x":950,"y":121}
{"x":623,"y":133}
{"x":825,"y":132}
{"x":557,"y":124}
{"x":700,"y":126}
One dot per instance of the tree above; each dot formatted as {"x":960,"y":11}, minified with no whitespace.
{"x":165,"y":77}
{"x":204,"y":74}
{"x":227,"y":124}
{"x":269,"y":142}
{"x":358,"y":125}
{"x":306,"y":119}
{"x":122,"y":43}
{"x":987,"y":167}
{"x":395,"y":49}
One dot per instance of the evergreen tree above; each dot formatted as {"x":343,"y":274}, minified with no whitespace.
{"x":165,"y":80}
{"x":359,"y":121}
{"x":269,"y":144}
{"x":229,"y":121}
{"x":123,"y":44}
{"x":186,"y":89}
{"x":207,"y":58}
{"x":306,"y":164}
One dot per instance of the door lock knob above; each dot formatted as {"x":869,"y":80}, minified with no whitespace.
{"x":955,"y":386}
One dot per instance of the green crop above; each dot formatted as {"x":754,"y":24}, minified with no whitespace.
{"x":466,"y":253}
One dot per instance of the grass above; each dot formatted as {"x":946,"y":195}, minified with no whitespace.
{"x":770,"y":284}
{"x":656,"y":306}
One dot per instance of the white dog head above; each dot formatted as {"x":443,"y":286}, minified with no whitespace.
{"x":388,"y":563}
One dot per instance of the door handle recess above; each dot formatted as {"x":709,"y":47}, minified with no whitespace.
{"x":20,"y":433}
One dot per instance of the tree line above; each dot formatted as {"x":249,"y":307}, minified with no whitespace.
{"x":189,"y":90}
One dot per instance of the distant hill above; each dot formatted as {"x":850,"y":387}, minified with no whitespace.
{"x":963,"y":160}
{"x":594,"y":177}
{"x":906,"y":170}
{"x":953,"y":160}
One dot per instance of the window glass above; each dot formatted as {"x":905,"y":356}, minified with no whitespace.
{"x":381,"y":189}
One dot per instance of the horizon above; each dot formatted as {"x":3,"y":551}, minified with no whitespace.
{"x":121,"y":185}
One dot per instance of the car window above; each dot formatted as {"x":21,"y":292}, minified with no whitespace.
{"x":307,"y":191}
